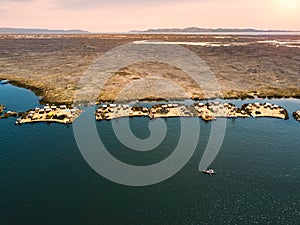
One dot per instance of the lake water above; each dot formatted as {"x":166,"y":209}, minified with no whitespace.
{"x":45,"y":180}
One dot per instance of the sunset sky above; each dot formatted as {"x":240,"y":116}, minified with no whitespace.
{"x":126,"y":15}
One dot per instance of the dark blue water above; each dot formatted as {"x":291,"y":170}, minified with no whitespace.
{"x":45,"y":180}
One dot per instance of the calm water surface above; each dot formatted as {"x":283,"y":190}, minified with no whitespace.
{"x":44,"y":179}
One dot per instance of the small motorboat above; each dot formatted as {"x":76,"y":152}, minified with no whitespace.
{"x":209,"y":171}
{"x":4,"y":81}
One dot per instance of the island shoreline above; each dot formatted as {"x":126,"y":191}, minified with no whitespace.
{"x":226,"y":96}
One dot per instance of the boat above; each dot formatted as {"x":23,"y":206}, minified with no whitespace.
{"x":4,"y":81}
{"x":18,"y":121}
{"x":208,"y":117}
{"x":151,"y":116}
{"x":209,"y":171}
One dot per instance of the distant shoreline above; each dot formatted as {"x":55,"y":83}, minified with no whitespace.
{"x":40,"y":31}
{"x":212,"y":31}
{"x":185,"y":31}
{"x":292,"y":33}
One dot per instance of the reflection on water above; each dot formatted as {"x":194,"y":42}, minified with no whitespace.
{"x":276,"y":43}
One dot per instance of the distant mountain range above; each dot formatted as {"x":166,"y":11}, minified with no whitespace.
{"x":39,"y":31}
{"x":159,"y":30}
{"x":203,"y":30}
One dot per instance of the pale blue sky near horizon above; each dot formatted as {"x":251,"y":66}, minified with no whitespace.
{"x":126,"y":15}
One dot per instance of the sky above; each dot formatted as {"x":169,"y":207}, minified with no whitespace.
{"x":127,"y":15}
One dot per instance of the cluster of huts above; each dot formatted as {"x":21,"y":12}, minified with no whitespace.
{"x":60,"y":114}
{"x":296,"y":115}
{"x":265,"y":110}
{"x":169,"y":110}
{"x":213,"y":110}
{"x":206,"y":111}
{"x":112,"y":111}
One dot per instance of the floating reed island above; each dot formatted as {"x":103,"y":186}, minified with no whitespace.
{"x":208,"y":111}
{"x":170,"y":110}
{"x":2,"y":108}
{"x":6,"y":114}
{"x":265,"y":110}
{"x":213,"y":110}
{"x":57,"y":114}
{"x":296,"y":115}
{"x":113,"y":111}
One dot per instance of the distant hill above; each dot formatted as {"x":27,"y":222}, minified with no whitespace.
{"x":39,"y":31}
{"x":204,"y":30}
